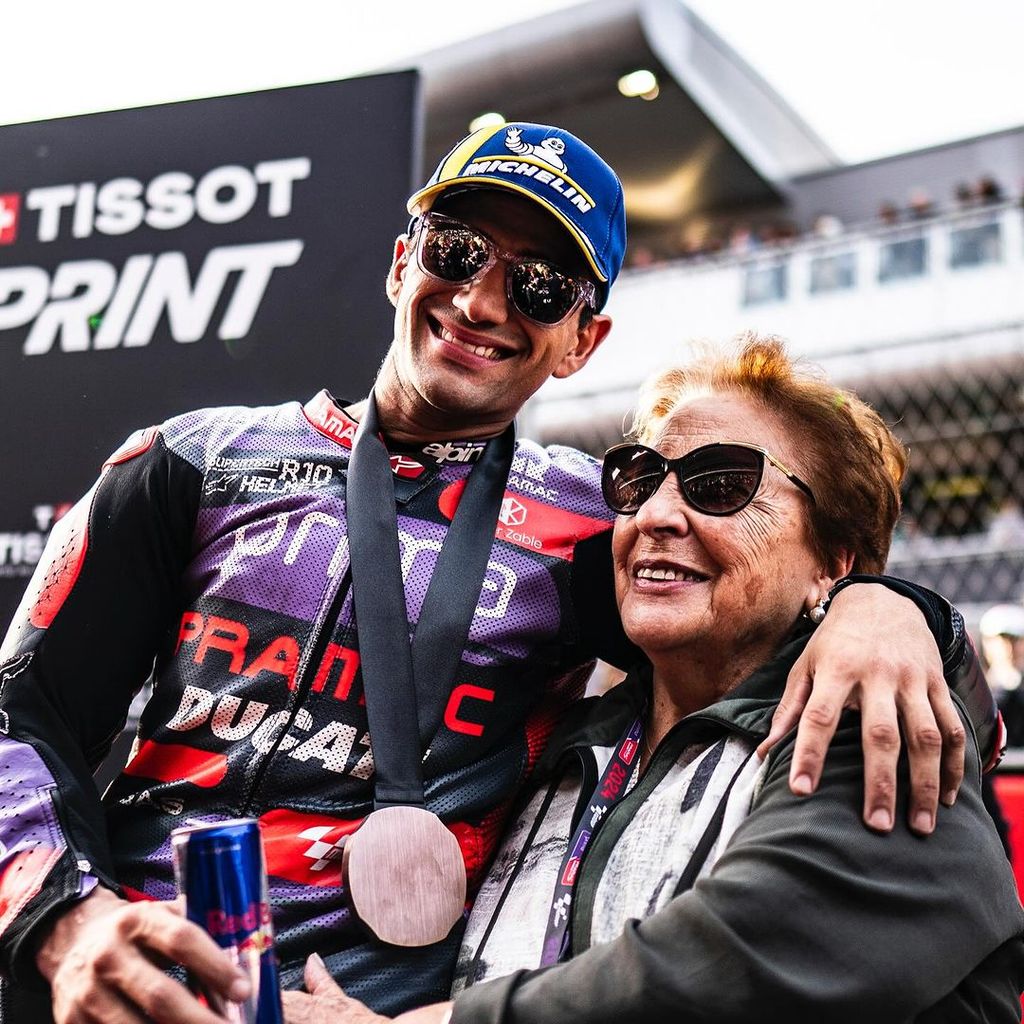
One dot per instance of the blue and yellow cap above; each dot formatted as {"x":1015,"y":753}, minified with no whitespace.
{"x":552,"y":167}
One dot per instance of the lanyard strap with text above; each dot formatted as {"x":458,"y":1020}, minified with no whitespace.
{"x":610,"y":789}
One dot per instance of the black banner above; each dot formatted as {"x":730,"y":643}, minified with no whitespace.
{"x":222,"y":251}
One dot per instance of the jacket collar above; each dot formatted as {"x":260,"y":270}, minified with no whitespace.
{"x":327,"y":415}
{"x":748,"y":708}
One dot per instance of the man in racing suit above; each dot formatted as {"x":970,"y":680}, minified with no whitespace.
{"x":213,"y":551}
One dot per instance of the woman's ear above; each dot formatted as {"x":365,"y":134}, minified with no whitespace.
{"x":841,"y":565}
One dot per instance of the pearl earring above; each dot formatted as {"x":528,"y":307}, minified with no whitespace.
{"x":817,"y":613}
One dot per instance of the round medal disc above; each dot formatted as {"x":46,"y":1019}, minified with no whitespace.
{"x":405,"y":876}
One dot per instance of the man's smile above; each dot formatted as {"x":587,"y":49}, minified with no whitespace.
{"x":470,"y":342}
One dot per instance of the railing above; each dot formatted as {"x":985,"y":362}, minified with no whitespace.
{"x":871,"y":288}
{"x":963,"y":240}
{"x":979,"y":229}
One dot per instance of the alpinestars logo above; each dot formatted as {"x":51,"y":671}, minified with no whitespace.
{"x":10,"y":208}
{"x":402,"y":465}
{"x":449,"y":452}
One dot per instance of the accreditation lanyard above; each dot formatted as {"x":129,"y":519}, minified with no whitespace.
{"x":611,"y":788}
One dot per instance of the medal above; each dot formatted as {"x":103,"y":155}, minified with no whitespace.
{"x":405,"y":876}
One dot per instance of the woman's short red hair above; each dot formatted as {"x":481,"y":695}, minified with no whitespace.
{"x":854,"y":463}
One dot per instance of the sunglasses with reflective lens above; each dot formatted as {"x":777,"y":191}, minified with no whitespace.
{"x":716,"y":479}
{"x":455,"y":253}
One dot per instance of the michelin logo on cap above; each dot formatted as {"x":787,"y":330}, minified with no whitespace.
{"x":548,"y":152}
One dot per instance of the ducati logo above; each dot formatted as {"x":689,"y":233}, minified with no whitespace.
{"x":513,"y":513}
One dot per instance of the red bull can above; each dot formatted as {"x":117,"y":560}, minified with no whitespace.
{"x":220,"y":871}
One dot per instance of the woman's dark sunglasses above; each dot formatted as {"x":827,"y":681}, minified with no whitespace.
{"x":716,"y":479}
{"x":455,"y":253}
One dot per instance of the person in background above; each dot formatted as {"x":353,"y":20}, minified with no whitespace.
{"x":1002,"y":645}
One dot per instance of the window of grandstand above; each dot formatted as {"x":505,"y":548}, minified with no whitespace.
{"x":764,"y":283}
{"x":976,"y":245}
{"x":833,"y":273}
{"x":907,"y":257}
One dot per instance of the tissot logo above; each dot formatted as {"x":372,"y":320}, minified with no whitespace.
{"x":10,"y":207}
{"x":167,"y":202}
{"x":85,"y":304}
{"x":21,"y":550}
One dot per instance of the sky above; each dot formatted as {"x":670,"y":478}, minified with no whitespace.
{"x":872,"y":77}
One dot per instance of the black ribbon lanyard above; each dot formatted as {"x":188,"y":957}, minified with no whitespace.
{"x":398,"y":676}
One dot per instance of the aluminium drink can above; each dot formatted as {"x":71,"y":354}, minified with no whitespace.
{"x":220,"y":870}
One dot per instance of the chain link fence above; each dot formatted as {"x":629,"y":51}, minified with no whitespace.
{"x":962,"y":528}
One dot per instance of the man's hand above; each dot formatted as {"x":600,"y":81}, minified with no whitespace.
{"x":875,"y":652}
{"x":100,"y":960}
{"x":326,"y":1003}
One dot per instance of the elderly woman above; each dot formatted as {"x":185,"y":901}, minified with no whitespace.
{"x":660,"y":855}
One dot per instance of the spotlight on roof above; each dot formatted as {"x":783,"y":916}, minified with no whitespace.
{"x":492,"y":119}
{"x":642,"y":83}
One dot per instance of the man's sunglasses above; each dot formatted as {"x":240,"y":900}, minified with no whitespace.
{"x":455,"y":253}
{"x":716,"y":479}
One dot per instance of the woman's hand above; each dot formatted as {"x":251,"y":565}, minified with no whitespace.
{"x":875,"y":652}
{"x":325,"y":1003}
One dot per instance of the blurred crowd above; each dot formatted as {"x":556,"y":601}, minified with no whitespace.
{"x":741,"y":237}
